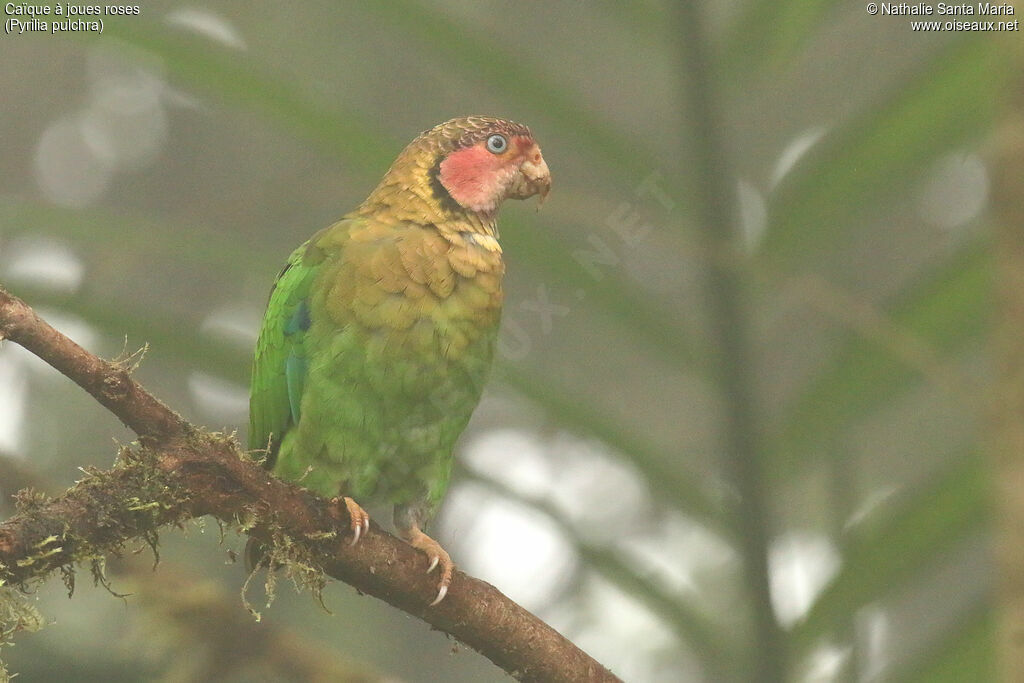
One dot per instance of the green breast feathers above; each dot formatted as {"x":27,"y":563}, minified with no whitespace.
{"x":374,"y":352}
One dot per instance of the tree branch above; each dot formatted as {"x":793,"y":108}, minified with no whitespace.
{"x":178,"y":472}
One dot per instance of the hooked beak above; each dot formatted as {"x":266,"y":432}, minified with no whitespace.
{"x":534,"y":178}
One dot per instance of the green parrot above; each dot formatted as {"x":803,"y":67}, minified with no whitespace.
{"x":380,"y":330}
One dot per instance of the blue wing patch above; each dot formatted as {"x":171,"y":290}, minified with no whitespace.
{"x":299,"y":322}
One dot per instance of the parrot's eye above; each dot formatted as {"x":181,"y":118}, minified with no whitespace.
{"x":497,"y":144}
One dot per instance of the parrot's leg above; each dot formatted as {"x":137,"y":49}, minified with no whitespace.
{"x":359,"y":520}
{"x":407,"y":522}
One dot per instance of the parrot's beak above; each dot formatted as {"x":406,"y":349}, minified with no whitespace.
{"x":534,"y":179}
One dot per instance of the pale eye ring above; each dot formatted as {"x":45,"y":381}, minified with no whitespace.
{"x":496,"y":144}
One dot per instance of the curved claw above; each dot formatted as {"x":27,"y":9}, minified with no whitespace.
{"x":359,"y":520}
{"x":438,"y":557}
{"x":357,"y":531}
{"x":440,"y":595}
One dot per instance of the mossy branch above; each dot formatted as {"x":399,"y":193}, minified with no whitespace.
{"x":177,"y":472}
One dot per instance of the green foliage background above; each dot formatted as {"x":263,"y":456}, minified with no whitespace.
{"x":868,"y":316}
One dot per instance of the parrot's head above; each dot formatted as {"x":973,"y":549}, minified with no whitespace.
{"x":467,"y":167}
{"x":483,"y":161}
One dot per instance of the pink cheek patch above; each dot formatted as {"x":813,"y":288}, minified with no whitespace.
{"x":472,"y":177}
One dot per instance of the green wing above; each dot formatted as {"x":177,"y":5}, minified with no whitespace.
{"x":279,"y":366}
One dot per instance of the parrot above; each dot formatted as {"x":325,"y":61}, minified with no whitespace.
{"x":380,"y":330}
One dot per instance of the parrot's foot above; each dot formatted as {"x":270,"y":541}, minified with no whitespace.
{"x":359,"y":520}
{"x":437,"y":555}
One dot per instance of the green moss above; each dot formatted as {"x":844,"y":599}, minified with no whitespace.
{"x":131,"y":501}
{"x":15,"y":615}
{"x":296,"y":561}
